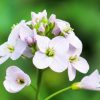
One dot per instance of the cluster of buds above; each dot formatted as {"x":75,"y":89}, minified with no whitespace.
{"x":49,"y":42}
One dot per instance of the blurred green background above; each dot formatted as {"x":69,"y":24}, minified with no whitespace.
{"x":84,"y":17}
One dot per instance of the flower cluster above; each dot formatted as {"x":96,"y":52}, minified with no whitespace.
{"x":49,"y":42}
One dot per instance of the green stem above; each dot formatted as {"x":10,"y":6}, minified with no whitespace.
{"x":58,"y":92}
{"x":33,"y":87}
{"x":39,"y":78}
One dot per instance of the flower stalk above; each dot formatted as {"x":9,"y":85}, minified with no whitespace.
{"x":58,"y":92}
{"x":38,"y":83}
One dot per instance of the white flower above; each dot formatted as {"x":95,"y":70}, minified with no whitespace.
{"x":11,"y":49}
{"x":91,"y":82}
{"x":75,"y":44}
{"x":61,"y":27}
{"x":51,"y":53}
{"x":36,"y":18}
{"x":75,"y":62}
{"x":15,"y":79}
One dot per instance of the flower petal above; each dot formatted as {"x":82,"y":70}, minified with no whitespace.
{"x":19,"y":49}
{"x":25,"y":32}
{"x":71,"y":72}
{"x":75,"y":42}
{"x":59,"y":64}
{"x":13,"y":73}
{"x":14,"y":35}
{"x":28,"y":53}
{"x":91,"y":82}
{"x":81,"y":65}
{"x":42,"y":42}
{"x":7,"y":87}
{"x":41,"y":61}
{"x":59,"y":44}
{"x":3,"y":49}
{"x":3,"y":59}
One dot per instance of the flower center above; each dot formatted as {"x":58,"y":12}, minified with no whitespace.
{"x":73,"y":59}
{"x":50,"y":52}
{"x":20,"y":81}
{"x":11,"y":48}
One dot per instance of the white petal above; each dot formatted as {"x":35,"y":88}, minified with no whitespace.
{"x":75,"y":41}
{"x":90,"y":83}
{"x":59,"y":64}
{"x":95,"y":74}
{"x":7,"y":87}
{"x":3,"y":49}
{"x":81,"y":65}
{"x":59,"y":44}
{"x":41,"y":61}
{"x":14,"y":35}
{"x":19,"y":49}
{"x":42,"y":42}
{"x":3,"y":59}
{"x":71,"y":72}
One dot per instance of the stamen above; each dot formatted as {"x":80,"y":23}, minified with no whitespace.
{"x":50,"y":52}
{"x":73,"y":59}
{"x":20,"y":81}
{"x":11,"y":48}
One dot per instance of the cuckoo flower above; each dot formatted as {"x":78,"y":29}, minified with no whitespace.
{"x":51,"y":53}
{"x":91,"y":82}
{"x":75,"y":62}
{"x":15,"y":79}
{"x":11,"y":49}
{"x":61,"y":27}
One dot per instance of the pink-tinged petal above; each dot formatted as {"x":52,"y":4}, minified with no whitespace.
{"x":60,"y":27}
{"x":41,"y":61}
{"x":59,"y":64}
{"x":81,"y":65}
{"x":11,"y":83}
{"x":41,"y":28}
{"x":52,"y":18}
{"x":18,"y":50}
{"x":28,"y":53}
{"x":42,"y":42}
{"x":91,"y":82}
{"x":72,"y":50}
{"x":75,"y":42}
{"x":71,"y":72}
{"x":59,"y":44}
{"x":25,"y":32}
